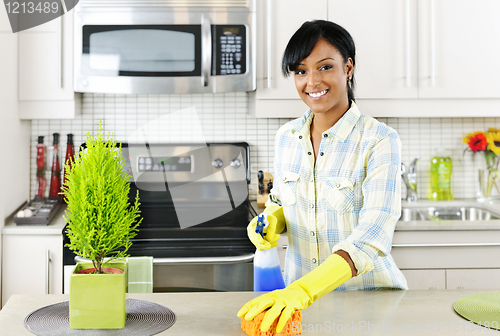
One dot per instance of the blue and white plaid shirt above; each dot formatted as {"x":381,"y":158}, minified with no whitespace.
{"x":350,"y":201}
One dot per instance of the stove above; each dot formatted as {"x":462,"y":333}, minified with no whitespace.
{"x":195,"y":210}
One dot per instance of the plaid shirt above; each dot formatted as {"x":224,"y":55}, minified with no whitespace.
{"x":350,"y":201}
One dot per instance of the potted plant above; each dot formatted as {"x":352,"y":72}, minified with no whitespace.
{"x":101,"y":222}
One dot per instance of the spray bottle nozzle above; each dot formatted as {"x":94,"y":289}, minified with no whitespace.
{"x":260,"y":225}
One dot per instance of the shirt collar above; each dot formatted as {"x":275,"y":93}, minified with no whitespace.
{"x":340,"y":130}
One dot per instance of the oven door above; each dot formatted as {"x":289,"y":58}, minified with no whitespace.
{"x":157,"y":50}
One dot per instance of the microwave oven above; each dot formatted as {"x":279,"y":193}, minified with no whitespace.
{"x":164,"y":46}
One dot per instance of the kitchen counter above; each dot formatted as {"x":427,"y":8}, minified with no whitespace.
{"x":425,"y":312}
{"x":55,"y":226}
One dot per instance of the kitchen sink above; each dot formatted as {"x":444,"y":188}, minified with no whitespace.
{"x":470,"y":213}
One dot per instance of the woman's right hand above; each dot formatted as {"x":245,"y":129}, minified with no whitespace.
{"x":270,"y":238}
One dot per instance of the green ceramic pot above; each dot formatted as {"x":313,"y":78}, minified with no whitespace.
{"x":97,"y":301}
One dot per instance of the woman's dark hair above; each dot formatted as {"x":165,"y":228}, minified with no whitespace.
{"x":304,"y":40}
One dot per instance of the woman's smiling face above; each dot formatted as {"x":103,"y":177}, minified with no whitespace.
{"x":321,"y":79}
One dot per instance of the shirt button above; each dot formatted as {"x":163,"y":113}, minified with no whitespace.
{"x":325,"y":135}
{"x":311,"y":205}
{"x":300,"y":136}
{"x":337,"y":185}
{"x":312,"y":233}
{"x":308,"y":153}
{"x":314,"y":260}
{"x":284,"y":178}
{"x":312,"y":178}
{"x":321,"y":153}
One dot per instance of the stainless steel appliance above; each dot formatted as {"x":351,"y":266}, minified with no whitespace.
{"x":164,"y":46}
{"x":195,"y":209}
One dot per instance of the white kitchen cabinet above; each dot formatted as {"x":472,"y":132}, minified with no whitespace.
{"x":448,"y":259}
{"x":425,"y":279}
{"x":415,"y":58}
{"x":4,"y":21}
{"x":473,"y":279}
{"x":276,"y":96}
{"x":46,"y":71}
{"x":31,"y":263}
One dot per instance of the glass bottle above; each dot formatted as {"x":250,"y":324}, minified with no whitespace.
{"x":40,"y":167}
{"x":55,"y":178}
{"x":441,"y":167}
{"x":70,"y":154}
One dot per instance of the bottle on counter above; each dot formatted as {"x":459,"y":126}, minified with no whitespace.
{"x":70,"y":155}
{"x":55,"y":178}
{"x":40,"y":167}
{"x":441,"y":167}
{"x":267,"y":274}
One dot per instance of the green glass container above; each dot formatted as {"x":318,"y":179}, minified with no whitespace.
{"x":97,"y":301}
{"x":441,"y":168}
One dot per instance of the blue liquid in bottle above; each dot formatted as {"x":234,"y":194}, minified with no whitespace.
{"x":267,"y":279}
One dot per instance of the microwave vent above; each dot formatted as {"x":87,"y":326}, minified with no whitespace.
{"x":166,"y":3}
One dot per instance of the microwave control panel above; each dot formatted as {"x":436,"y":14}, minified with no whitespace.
{"x":230,"y":50}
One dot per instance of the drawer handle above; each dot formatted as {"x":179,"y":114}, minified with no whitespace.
{"x":190,"y":261}
{"x":447,"y":245}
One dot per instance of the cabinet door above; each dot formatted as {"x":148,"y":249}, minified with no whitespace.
{"x":4,"y":21}
{"x":385,"y":34}
{"x":459,"y":49}
{"x":280,"y":19}
{"x":473,"y":279}
{"x":425,"y":279}
{"x":45,"y":64}
{"x":25,"y":268}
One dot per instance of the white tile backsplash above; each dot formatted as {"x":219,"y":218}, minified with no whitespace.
{"x":225,"y":118}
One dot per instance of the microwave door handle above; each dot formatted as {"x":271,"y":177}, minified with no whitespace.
{"x":206,"y":49}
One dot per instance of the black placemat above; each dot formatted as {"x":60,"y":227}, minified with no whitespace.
{"x":143,"y":318}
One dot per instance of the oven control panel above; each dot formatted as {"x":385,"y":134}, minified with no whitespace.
{"x":187,"y":163}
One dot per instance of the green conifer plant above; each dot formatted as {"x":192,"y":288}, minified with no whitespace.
{"x":101,"y":221}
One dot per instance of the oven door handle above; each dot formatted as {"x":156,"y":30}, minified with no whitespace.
{"x":194,"y":260}
{"x":204,"y":260}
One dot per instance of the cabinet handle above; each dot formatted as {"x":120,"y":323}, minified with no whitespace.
{"x":433,"y":44}
{"x":447,"y":245}
{"x":408,"y":45}
{"x":206,"y":48}
{"x":47,"y":271}
{"x":268,"y":43}
{"x":285,"y":247}
{"x":59,"y":52}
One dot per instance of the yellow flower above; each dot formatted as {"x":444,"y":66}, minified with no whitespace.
{"x":466,"y":138}
{"x":493,"y":139}
{"x":492,"y":129}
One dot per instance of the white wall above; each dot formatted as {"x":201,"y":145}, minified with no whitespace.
{"x":14,"y":134}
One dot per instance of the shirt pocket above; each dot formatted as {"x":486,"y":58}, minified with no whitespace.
{"x":289,"y":182}
{"x":340,"y":194}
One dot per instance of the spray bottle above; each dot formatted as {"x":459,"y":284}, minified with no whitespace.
{"x":266,"y":265}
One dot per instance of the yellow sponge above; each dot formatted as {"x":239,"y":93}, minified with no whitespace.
{"x":292,"y":326}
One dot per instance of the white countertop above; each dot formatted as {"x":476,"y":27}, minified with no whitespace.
{"x":414,"y":312}
{"x":55,"y":226}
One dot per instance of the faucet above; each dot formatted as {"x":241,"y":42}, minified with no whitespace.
{"x":410,"y":179}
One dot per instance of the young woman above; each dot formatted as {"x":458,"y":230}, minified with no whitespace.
{"x":337,"y":186}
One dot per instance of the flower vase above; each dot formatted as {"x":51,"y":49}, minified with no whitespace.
{"x":489,"y":185}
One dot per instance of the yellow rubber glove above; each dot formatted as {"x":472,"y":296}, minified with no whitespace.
{"x":299,"y":295}
{"x":274,"y":216}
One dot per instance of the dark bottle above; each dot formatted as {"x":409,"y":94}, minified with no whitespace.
{"x":55,"y":178}
{"x":70,"y":155}
{"x":40,"y":167}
